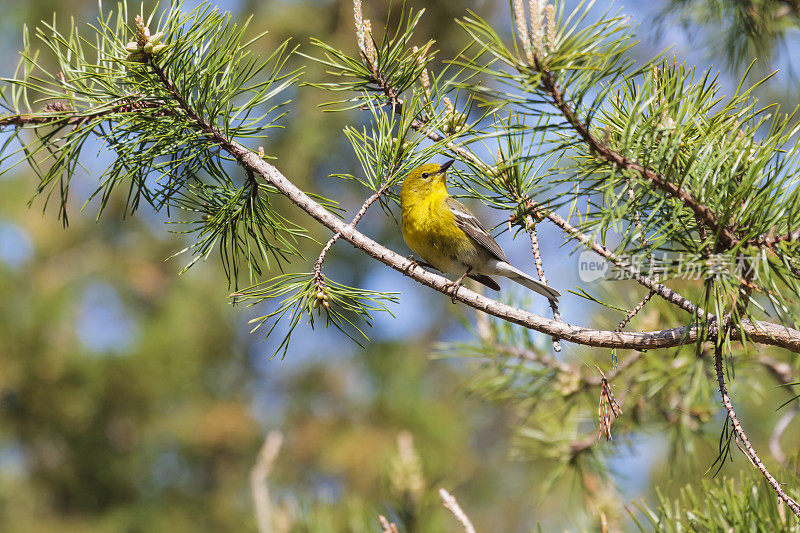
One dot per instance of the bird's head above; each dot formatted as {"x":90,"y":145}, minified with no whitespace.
{"x":426,"y":179}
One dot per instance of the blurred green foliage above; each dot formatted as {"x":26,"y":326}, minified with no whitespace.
{"x":140,"y":431}
{"x":737,"y":30}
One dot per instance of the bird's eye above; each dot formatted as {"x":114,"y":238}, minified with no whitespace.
{"x":425,"y":175}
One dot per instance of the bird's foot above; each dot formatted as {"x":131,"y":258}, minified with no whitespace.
{"x":412,"y":264}
{"x":454,"y":290}
{"x":457,"y":285}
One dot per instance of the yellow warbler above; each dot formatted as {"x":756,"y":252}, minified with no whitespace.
{"x":448,"y":237}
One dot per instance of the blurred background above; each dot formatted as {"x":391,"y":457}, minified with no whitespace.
{"x":135,"y":399}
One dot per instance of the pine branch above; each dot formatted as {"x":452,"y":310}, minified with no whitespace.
{"x":702,"y":211}
{"x":659,"y":288}
{"x":635,"y":311}
{"x":771,"y":241}
{"x":742,"y":436}
{"x":62,"y":115}
{"x":255,"y":166}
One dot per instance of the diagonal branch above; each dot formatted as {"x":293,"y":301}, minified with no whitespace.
{"x":659,"y":288}
{"x":742,"y":436}
{"x":635,"y":311}
{"x":537,"y":260}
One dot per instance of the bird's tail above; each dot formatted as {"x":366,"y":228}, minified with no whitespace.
{"x":515,"y":274}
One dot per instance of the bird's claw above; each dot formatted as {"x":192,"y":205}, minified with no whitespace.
{"x":457,"y":285}
{"x":411,"y":265}
{"x":454,"y":290}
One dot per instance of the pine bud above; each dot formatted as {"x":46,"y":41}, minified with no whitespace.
{"x":550,"y":15}
{"x":369,"y":46}
{"x":536,"y":25}
{"x":522,"y":29}
{"x":142,"y":33}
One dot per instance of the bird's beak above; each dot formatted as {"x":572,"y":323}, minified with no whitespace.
{"x":444,"y":166}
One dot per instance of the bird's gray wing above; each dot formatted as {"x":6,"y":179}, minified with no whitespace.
{"x":474,"y":229}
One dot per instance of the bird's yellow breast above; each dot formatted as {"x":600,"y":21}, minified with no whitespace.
{"x":430,"y":230}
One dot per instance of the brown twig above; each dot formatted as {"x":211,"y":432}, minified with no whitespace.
{"x":767,"y":241}
{"x":64,"y":116}
{"x":635,"y":311}
{"x":319,"y":277}
{"x":537,"y":259}
{"x":741,"y":436}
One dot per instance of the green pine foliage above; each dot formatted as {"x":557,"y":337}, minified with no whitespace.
{"x":163,"y":115}
{"x":717,"y":505}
